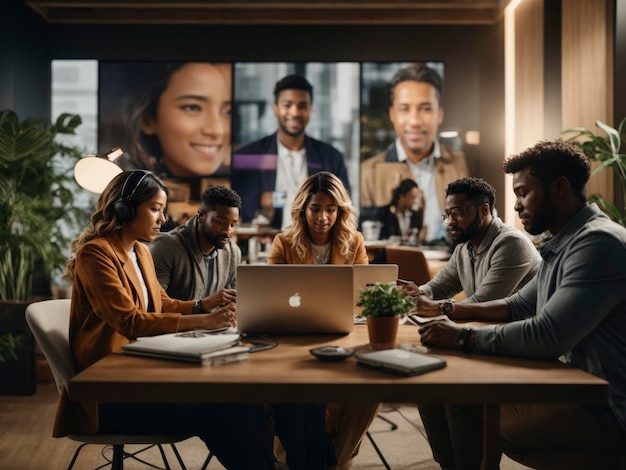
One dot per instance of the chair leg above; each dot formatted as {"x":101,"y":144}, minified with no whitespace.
{"x":133,"y":455}
{"x":380,"y":454}
{"x":117,"y":460}
{"x":394,"y":426}
{"x":75,"y":456}
{"x":165,"y":462}
{"x":206,"y":462}
{"x":118,"y":457}
{"x":178,"y":457}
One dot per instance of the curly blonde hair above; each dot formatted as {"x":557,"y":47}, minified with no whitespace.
{"x":104,"y":220}
{"x":344,"y":229}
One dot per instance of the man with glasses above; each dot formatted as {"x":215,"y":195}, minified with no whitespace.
{"x":491,"y":259}
{"x":199,"y":259}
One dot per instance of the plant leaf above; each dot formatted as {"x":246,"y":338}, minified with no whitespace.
{"x":613,"y":136}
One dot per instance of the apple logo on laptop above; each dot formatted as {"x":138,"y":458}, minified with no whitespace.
{"x":295,"y":300}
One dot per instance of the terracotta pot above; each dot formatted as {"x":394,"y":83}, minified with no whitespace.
{"x":382,"y":331}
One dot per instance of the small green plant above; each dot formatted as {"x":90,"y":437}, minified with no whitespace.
{"x":606,"y":151}
{"x":384,"y":300}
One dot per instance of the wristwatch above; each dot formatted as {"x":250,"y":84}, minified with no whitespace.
{"x":464,"y":339}
{"x":197,"y":307}
{"x":446,"y":307}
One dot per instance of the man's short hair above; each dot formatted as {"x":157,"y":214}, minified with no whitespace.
{"x":417,"y":73}
{"x":551,"y":159}
{"x":219,"y":195}
{"x":292,"y":82}
{"x":474,"y":189}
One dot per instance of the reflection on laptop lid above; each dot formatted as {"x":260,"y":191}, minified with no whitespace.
{"x":295,"y":298}
{"x":364,"y":274}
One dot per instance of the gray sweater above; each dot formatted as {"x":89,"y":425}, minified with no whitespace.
{"x":505,"y":261}
{"x":181,"y":267}
{"x":575,"y":307}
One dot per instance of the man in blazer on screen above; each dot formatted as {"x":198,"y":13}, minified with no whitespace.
{"x":268,"y":172}
{"x":416,"y":112}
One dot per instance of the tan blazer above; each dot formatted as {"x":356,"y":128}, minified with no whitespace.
{"x":108,"y":310}
{"x":283,"y":253}
{"x":382,"y":173}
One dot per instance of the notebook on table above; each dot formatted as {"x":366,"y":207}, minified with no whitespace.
{"x":295,"y":298}
{"x":365,"y":274}
{"x":189,"y":346}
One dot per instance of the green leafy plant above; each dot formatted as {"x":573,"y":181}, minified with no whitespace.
{"x":384,"y":300}
{"x":36,"y":193}
{"x":606,"y":151}
{"x":8,"y":345}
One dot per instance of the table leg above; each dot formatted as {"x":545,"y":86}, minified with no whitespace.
{"x":491,"y":437}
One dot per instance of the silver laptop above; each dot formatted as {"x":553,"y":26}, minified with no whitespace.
{"x":189,"y":346}
{"x":295,"y":298}
{"x":364,"y":274}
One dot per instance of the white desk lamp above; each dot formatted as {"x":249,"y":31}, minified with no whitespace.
{"x":94,"y":172}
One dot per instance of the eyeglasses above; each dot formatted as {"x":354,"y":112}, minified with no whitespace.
{"x":457,"y":213}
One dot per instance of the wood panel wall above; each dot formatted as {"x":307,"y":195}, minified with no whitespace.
{"x":587,"y":73}
{"x":585,"y":79}
{"x":529,"y":73}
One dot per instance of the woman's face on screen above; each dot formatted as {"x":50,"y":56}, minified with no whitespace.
{"x":193,"y":119}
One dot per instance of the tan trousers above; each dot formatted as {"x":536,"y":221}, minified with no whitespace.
{"x":347,"y":423}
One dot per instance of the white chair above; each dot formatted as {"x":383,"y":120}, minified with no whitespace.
{"x":49,"y":321}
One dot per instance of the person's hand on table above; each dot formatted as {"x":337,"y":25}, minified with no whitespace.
{"x":220,"y":298}
{"x":442,"y":333}
{"x":408,"y":287}
{"x":427,"y":307}
{"x":224,"y":316}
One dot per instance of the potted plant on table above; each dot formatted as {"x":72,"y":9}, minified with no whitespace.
{"x":36,"y":194}
{"x":606,"y":151}
{"x":383,"y":305}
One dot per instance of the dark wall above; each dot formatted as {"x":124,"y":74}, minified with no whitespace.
{"x":24,"y":61}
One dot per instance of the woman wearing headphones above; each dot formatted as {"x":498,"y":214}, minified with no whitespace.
{"x":116,"y":298}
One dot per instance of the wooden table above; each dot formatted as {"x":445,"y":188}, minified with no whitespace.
{"x":289,"y":373}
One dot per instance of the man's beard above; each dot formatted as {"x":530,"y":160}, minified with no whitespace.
{"x":286,"y":130}
{"x":468,"y":233}
{"x":213,"y":239}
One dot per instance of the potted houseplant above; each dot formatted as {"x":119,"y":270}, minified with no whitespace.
{"x":36,"y":212}
{"x":383,"y":305}
{"x":606,"y":151}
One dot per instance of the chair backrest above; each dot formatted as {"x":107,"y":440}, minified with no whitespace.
{"x":412,"y":264}
{"x":49,"y":320}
